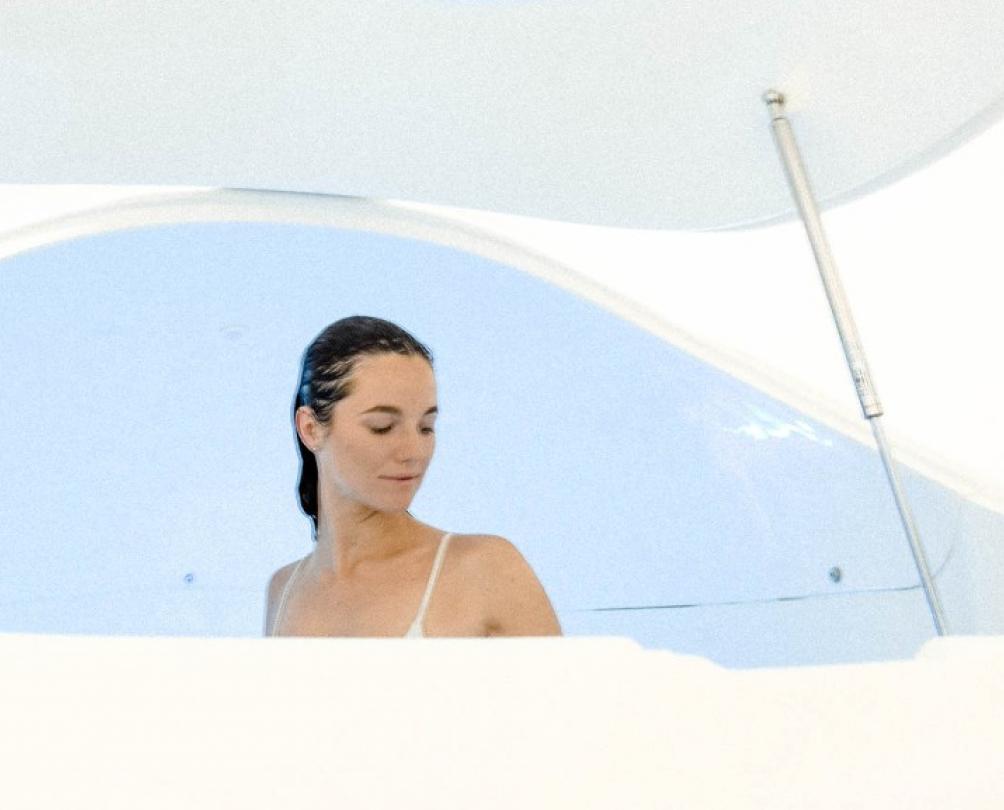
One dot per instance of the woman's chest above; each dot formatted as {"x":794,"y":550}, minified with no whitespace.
{"x":384,"y":607}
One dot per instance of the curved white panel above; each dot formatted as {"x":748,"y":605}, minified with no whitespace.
{"x":637,"y":113}
{"x":494,"y":724}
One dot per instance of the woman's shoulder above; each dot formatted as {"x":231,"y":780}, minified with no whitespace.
{"x":512,"y":597}
{"x":276,"y":585}
{"x":491,"y":560}
{"x":286,"y":571}
{"x":280,"y":577}
{"x":483,"y":548}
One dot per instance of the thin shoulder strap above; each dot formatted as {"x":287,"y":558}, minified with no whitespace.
{"x":436,"y":565}
{"x":282,"y":600}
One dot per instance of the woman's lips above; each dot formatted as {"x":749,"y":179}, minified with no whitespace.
{"x":399,"y":478}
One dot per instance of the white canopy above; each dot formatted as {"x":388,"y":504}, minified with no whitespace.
{"x":636,"y":113}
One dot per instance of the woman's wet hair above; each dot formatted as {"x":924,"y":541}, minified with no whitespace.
{"x":325,"y":378}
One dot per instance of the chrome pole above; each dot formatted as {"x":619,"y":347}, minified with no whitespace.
{"x":799,"y":183}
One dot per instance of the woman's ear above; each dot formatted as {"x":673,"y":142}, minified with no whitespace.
{"x":310,"y":431}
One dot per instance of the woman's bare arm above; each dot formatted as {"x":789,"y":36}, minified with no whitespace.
{"x":515,"y":601}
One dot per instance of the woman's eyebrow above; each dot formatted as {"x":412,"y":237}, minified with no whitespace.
{"x":396,"y":411}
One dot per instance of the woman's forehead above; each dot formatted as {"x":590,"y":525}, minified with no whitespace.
{"x":407,"y":377}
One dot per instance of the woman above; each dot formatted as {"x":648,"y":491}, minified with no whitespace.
{"x":365,"y":413}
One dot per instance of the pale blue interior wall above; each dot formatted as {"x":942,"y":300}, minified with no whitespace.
{"x":149,"y":466}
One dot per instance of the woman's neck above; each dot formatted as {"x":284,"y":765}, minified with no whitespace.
{"x":355,"y":535}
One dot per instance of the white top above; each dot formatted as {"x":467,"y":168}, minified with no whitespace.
{"x":415,"y":630}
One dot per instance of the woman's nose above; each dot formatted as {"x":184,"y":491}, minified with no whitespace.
{"x":411,"y":446}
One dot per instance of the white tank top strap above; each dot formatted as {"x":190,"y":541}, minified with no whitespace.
{"x":416,"y":629}
{"x":416,"y":626}
{"x":282,"y":600}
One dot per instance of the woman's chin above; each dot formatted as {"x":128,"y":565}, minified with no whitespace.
{"x":391,"y":507}
{"x":389,"y":503}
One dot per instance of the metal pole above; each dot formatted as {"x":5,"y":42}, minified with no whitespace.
{"x":870,"y":405}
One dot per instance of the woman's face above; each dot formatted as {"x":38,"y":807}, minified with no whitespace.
{"x":379,"y":441}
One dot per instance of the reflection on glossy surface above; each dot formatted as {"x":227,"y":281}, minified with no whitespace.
{"x":763,"y":425}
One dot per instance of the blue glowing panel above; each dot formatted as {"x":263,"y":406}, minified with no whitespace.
{"x":149,"y":465}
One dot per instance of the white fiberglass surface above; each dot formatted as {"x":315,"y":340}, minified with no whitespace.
{"x":149,"y":465}
{"x":634,"y":113}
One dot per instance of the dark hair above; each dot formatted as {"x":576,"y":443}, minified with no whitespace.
{"x":325,"y":379}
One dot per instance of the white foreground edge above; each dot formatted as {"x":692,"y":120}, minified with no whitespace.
{"x":161,"y":722}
